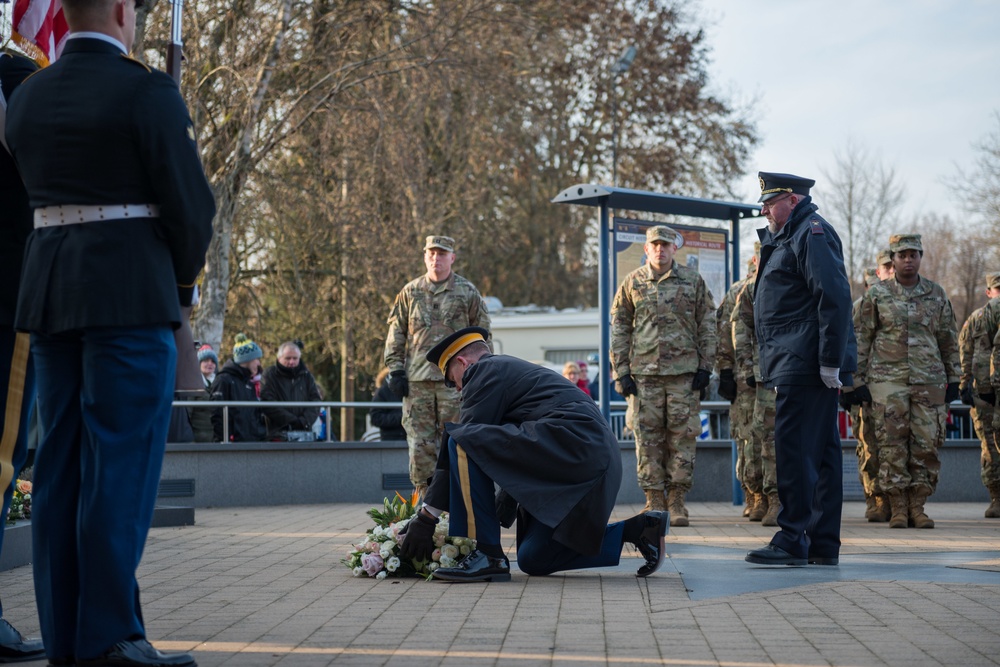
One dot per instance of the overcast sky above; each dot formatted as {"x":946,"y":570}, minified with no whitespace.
{"x":914,"y":81}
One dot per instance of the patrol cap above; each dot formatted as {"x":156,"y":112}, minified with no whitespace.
{"x":992,"y":280}
{"x":883,"y":257}
{"x":772,"y":184}
{"x":443,"y":352}
{"x":871,"y":276}
{"x":898,"y":242}
{"x":661,"y":233}
{"x":443,"y":242}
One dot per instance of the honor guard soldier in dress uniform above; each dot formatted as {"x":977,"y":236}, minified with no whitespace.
{"x":17,"y":373}
{"x":426,"y":311}
{"x":546,"y":444}
{"x":123,"y":218}
{"x":663,"y":340}
{"x":908,"y":371}
{"x":802,"y":316}
{"x":975,"y":379}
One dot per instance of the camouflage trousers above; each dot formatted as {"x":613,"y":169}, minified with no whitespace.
{"x":740,"y":419}
{"x":984,"y":418}
{"x":425,"y":411}
{"x":665,"y":415}
{"x":909,"y":424}
{"x":867,"y":450}
{"x":760,"y":472}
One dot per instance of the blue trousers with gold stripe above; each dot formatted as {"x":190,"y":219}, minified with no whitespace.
{"x":472,"y":513}
{"x":17,"y":396}
{"x":104,"y":399}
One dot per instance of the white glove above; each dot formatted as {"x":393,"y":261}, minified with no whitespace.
{"x":830,"y":377}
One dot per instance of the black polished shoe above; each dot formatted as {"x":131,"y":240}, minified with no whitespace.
{"x":138,"y":653}
{"x":819,"y":560}
{"x":476,"y":566}
{"x":15,"y":648}
{"x":651,"y":543}
{"x":772,"y":555}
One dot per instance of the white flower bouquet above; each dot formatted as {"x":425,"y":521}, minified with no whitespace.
{"x":378,"y":555}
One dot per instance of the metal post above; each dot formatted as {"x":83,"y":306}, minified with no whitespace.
{"x":604,"y":306}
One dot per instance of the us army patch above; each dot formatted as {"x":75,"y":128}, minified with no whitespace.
{"x":816,"y":226}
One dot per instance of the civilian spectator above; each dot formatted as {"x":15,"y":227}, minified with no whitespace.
{"x":388,"y":420}
{"x":571,"y":371}
{"x":583,"y":382}
{"x":289,"y":380}
{"x":239,"y":381}
{"x":201,"y":418}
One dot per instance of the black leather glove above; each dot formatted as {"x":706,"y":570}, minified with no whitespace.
{"x":419,"y":541}
{"x":990,"y":398}
{"x":751,"y":381}
{"x":861,"y":395}
{"x":951,"y":392}
{"x":727,"y":385}
{"x":701,"y":380}
{"x":967,"y":396}
{"x":846,"y":400}
{"x":506,"y":508}
{"x":626,"y":385}
{"x":398,"y":384}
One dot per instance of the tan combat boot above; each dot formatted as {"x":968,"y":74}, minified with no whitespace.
{"x":882,"y":509}
{"x":917,"y":498}
{"x":870,"y":508}
{"x":993,"y":511}
{"x":654,"y":501}
{"x":675,"y":505}
{"x":773,"y":507}
{"x":898,"y":509}
{"x":759,"y":508}
{"x":748,"y":501}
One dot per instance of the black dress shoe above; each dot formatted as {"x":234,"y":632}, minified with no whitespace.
{"x":138,"y":653}
{"x":772,"y":555}
{"x":15,"y":648}
{"x":819,"y":560}
{"x":476,"y":566}
{"x":651,"y":543}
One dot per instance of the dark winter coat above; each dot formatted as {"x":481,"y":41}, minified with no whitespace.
{"x":388,"y":420}
{"x":280,"y":383}
{"x":544,"y":442}
{"x":234,"y":383}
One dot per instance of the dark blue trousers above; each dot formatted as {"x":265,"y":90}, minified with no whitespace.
{"x":810,"y":476}
{"x":17,"y":396}
{"x":104,"y":400}
{"x":472,"y":513}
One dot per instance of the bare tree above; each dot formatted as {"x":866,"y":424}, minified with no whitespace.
{"x":861,"y":197}
{"x":978,"y":187}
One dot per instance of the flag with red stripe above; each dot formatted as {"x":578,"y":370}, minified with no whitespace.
{"x":39,"y":28}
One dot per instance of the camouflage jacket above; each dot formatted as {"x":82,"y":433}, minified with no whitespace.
{"x":966,"y":351}
{"x":662,"y":326}
{"x":745,"y":335}
{"x":907,"y":338}
{"x":424,"y":314}
{"x":985,"y":356}
{"x":724,"y":356}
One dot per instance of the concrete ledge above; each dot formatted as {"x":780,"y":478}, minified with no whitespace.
{"x":16,"y":546}
{"x":165,"y":516}
{"x":289,"y":473}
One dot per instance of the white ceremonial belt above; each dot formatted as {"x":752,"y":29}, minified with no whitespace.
{"x":53,"y":216}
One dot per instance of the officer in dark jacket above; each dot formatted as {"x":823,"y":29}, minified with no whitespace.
{"x":802,"y":316}
{"x":239,"y":380}
{"x":123,"y":217}
{"x":547,"y":445}
{"x":289,"y":380}
{"x":17,"y":374}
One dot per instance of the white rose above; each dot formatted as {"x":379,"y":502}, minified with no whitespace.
{"x":433,"y":566}
{"x":447,"y":562}
{"x":465,"y":549}
{"x":386,"y":551}
{"x":392,"y":564}
{"x":449,"y":551}
{"x":358,"y":571}
{"x":381,"y":575}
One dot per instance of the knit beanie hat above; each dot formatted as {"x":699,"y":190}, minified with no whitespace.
{"x":245,"y":349}
{"x":206,"y":352}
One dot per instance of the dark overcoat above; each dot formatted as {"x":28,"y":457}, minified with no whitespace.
{"x":542,"y":440}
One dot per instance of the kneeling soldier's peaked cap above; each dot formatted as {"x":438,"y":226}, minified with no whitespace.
{"x":899,"y":242}
{"x":442,"y":353}
{"x":772,"y":185}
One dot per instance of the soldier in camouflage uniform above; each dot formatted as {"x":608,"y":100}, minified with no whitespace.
{"x":908,"y":363}
{"x":976,"y":347}
{"x":760,"y":468}
{"x":425,"y":312}
{"x":740,"y":396}
{"x":663,"y":340}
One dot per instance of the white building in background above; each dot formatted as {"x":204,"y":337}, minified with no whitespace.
{"x":544,"y":335}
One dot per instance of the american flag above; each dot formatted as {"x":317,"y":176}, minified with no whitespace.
{"x":40,"y":29}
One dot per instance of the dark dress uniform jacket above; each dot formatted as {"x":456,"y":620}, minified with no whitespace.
{"x":109,"y":154}
{"x":543,"y":441}
{"x":802,"y":302}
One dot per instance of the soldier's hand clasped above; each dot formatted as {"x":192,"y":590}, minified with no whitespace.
{"x":626,"y":386}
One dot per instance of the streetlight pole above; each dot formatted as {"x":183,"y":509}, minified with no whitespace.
{"x":624,"y":62}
